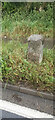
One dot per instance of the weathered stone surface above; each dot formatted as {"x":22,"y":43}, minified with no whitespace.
{"x":35,"y":48}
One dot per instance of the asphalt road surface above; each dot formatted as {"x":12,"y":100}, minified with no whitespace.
{"x":29,"y":101}
{"x":10,"y":109}
{"x":11,"y":116}
{"x":6,"y":114}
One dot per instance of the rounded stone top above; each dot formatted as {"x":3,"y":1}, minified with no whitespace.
{"x":35,"y":37}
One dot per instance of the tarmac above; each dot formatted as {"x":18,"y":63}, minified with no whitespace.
{"x":30,"y":101}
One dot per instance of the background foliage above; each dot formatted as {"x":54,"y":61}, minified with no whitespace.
{"x":38,"y":16}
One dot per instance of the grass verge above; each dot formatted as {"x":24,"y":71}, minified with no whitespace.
{"x":16,"y":69}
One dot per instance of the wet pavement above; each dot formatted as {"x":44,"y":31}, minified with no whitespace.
{"x":34,"y":102}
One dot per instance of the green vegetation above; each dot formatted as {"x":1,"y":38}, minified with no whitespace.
{"x":18,"y":22}
{"x":27,"y":18}
{"x":16,"y":69}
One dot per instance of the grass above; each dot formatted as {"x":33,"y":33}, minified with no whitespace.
{"x":16,"y":69}
{"x":35,"y":22}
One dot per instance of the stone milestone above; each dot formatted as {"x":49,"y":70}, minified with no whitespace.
{"x":35,"y":48}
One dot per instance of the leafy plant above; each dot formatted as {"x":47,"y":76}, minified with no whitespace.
{"x":16,"y":68}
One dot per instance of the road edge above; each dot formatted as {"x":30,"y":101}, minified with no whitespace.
{"x":28,"y":91}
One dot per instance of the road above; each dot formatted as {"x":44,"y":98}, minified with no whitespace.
{"x":6,"y":114}
{"x":33,"y":102}
{"x":16,"y":103}
{"x":21,"y":111}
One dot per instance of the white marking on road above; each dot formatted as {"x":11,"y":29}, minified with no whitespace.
{"x":22,"y":111}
